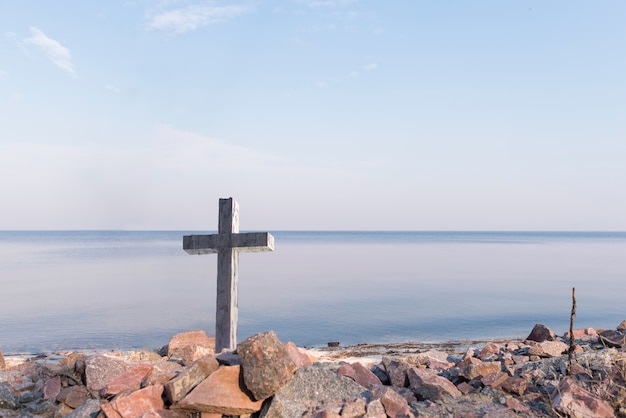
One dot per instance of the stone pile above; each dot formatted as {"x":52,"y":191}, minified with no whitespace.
{"x":267,"y":379}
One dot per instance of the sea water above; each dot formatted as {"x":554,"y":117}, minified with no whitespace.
{"x":62,"y":290}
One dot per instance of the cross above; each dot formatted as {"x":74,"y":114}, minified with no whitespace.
{"x":227,"y":243}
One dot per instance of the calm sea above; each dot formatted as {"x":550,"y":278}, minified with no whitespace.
{"x":122,"y":290}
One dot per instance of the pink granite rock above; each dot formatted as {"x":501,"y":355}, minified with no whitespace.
{"x":396,"y":370}
{"x":102,"y":369}
{"x":135,"y":404}
{"x":541,"y":333}
{"x":622,"y":326}
{"x":360,"y":374}
{"x":547,"y":349}
{"x":221,"y":393}
{"x":127,"y":381}
{"x":265,"y":363}
{"x":354,"y":409}
{"x":494,"y":379}
{"x":299,"y":358}
{"x":395,"y":405}
{"x":73,"y":396}
{"x":52,"y":388}
{"x":571,"y":399}
{"x":490,"y":351}
{"x":418,"y":378}
{"x":167,"y":413}
{"x":515,"y":385}
{"x":191,"y":346}
{"x":177,"y":388}
{"x":481,"y":369}
{"x":612,"y":338}
{"x":2,"y":362}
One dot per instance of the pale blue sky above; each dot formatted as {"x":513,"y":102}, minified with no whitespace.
{"x":337,"y":114}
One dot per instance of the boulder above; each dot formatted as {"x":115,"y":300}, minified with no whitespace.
{"x":135,"y":404}
{"x":360,"y":374}
{"x":622,"y":326}
{"x":73,"y":396}
{"x":177,"y":388}
{"x":7,"y":400}
{"x":375,"y":409}
{"x":396,"y":370}
{"x":127,"y":381}
{"x":515,"y":385}
{"x":494,"y":379}
{"x":541,"y":333}
{"x":52,"y":387}
{"x":612,"y":338}
{"x":480,"y":369}
{"x":571,"y":399}
{"x":221,"y":393}
{"x":354,"y":409}
{"x":311,"y":386}
{"x":265,"y":363}
{"x":190,"y":346}
{"x":395,"y":405}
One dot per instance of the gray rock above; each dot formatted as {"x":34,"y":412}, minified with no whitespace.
{"x":89,"y":409}
{"x":7,"y":400}
{"x":312,"y":386}
{"x":100,"y":370}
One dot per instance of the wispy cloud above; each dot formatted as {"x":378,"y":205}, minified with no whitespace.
{"x":112,"y":88}
{"x":370,"y":67}
{"x":57,"y":53}
{"x":193,"y":17}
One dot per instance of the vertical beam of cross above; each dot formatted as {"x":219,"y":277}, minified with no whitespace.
{"x":227,"y":243}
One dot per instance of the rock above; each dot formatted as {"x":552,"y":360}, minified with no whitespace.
{"x":582,"y":333}
{"x":516,"y":405}
{"x":135,"y":404}
{"x":375,"y":409}
{"x":494,"y":379}
{"x":571,"y":399}
{"x":266,"y":364}
{"x":547,"y":349}
{"x":425,"y":357}
{"x":354,"y":409}
{"x":312,"y":386}
{"x":88,"y":409}
{"x":622,"y":326}
{"x":127,"y":381}
{"x":612,"y":338}
{"x":52,"y":388}
{"x":167,"y":413}
{"x":395,"y":405}
{"x":73,"y":396}
{"x":191,"y":346}
{"x":102,"y":369}
{"x":429,"y":385}
{"x":360,"y":374}
{"x":221,"y":393}
{"x":7,"y":400}
{"x":515,"y":385}
{"x":299,"y":358}
{"x":396,"y":370}
{"x":490,"y":351}
{"x":177,"y":388}
{"x":481,"y":369}
{"x":465,"y":388}
{"x":541,"y":333}
{"x":3,"y":364}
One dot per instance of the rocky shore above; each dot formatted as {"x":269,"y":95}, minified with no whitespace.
{"x":543,"y":375}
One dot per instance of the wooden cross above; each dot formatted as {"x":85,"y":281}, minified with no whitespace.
{"x":227,"y":243}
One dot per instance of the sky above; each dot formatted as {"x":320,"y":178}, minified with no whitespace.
{"x":313,"y":114}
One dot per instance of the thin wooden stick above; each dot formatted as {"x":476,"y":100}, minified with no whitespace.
{"x":572,"y":340}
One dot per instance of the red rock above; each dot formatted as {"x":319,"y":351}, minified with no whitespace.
{"x":547,"y":349}
{"x":375,"y":409}
{"x":179,"y":387}
{"x":516,"y":405}
{"x":191,"y":346}
{"x":520,"y":359}
{"x":622,"y":326}
{"x":439,"y":366}
{"x":221,"y":393}
{"x":465,"y":388}
{"x":481,"y":369}
{"x":467,"y":361}
{"x":494,"y":379}
{"x":127,"y":381}
{"x":541,"y":333}
{"x":299,"y":358}
{"x":395,"y":405}
{"x":569,"y":398}
{"x":360,"y":374}
{"x":612,"y":338}
{"x":73,"y":396}
{"x":423,"y":377}
{"x":581,"y":333}
{"x":135,"y":404}
{"x":52,"y":388}
{"x":265,"y":363}
{"x":515,"y":385}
